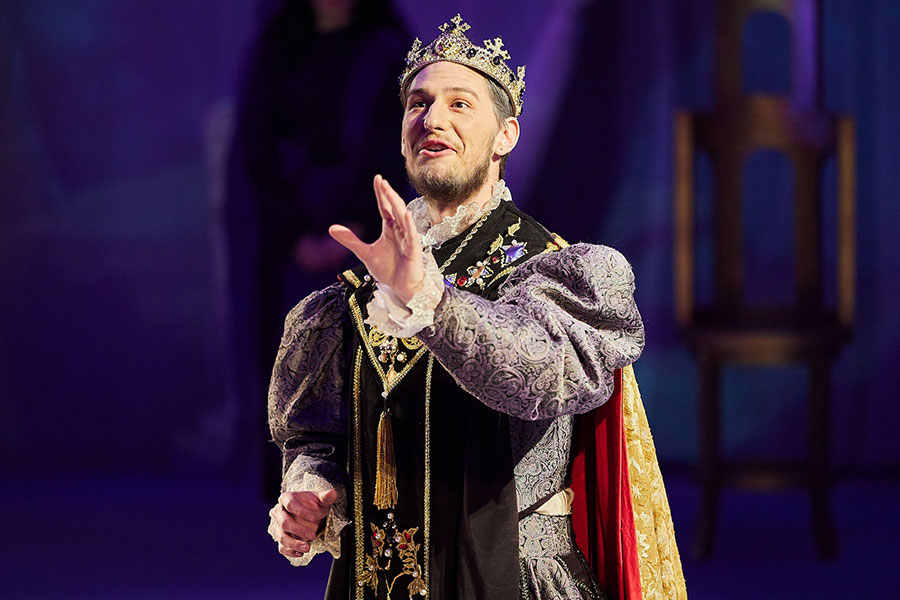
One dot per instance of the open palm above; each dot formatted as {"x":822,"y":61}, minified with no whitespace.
{"x":395,"y":258}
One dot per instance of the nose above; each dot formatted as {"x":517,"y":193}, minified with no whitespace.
{"x":435,"y":118}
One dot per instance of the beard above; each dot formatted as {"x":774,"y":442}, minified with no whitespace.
{"x":449,"y":190}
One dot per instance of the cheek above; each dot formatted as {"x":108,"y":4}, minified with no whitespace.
{"x":407,"y":137}
{"x":404,"y":144}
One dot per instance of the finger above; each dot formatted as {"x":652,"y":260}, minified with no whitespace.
{"x":328,"y":498}
{"x":288,"y":552}
{"x":396,"y":199}
{"x":304,"y":534}
{"x":348,"y":240}
{"x":393,"y":199}
{"x":319,"y":501}
{"x":414,"y":241}
{"x":293,"y":551}
{"x":407,"y":235}
{"x":299,"y":527}
{"x":384,"y":206}
{"x":293,"y":540}
{"x":303,"y":507}
{"x":300,"y":501}
{"x":290,"y":533}
{"x":404,"y":225}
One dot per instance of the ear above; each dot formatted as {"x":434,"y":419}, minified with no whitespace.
{"x":507,"y":137}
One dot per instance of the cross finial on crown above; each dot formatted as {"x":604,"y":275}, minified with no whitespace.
{"x":496,"y":48}
{"x":458,"y":25}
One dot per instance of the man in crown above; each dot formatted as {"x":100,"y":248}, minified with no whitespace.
{"x":426,"y":403}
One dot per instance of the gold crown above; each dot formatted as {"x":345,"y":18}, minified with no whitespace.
{"x":453,"y":46}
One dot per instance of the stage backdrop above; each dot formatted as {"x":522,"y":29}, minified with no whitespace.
{"x":114,"y":120}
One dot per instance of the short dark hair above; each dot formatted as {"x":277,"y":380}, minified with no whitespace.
{"x":503,"y":107}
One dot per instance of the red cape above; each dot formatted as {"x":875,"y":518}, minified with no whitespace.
{"x":602,"y":514}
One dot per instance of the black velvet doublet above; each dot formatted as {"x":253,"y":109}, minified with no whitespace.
{"x":470,"y":512}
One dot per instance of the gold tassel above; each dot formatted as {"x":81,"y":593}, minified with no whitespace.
{"x":385,"y":465}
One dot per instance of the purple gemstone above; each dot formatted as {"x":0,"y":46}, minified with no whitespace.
{"x":514,"y":252}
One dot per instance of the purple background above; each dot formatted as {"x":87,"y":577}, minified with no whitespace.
{"x":114,"y":117}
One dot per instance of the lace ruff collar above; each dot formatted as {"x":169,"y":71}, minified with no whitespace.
{"x":466,"y":214}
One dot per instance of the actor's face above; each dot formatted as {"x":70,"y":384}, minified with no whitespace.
{"x":450,"y":135}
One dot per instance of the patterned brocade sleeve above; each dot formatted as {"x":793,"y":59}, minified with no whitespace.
{"x":307,"y":413}
{"x":549,"y":345}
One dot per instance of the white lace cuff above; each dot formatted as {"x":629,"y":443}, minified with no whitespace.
{"x":329,"y":539}
{"x":388,"y":313}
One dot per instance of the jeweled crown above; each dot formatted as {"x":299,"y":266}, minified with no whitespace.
{"x":452,"y":45}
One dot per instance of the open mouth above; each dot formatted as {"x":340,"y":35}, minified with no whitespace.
{"x":435,"y":148}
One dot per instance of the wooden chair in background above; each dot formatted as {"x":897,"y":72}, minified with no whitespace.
{"x":729,"y":331}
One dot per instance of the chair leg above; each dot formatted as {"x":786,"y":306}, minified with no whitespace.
{"x":819,"y":419}
{"x":709,"y":457}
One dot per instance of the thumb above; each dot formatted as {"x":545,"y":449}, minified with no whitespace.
{"x":346,"y":238}
{"x":328,"y":498}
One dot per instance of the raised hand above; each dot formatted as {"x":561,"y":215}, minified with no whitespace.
{"x":395,"y":258}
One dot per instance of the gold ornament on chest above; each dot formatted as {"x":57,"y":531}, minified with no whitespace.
{"x":392,"y":351}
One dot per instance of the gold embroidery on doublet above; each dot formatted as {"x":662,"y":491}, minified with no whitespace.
{"x":414,"y":557}
{"x":389,"y":544}
{"x":482,"y":273}
{"x":351,"y":278}
{"x":372,"y":339}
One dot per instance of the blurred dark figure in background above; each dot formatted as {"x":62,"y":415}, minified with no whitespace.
{"x":292,"y":173}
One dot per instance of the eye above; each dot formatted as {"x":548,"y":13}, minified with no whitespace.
{"x":460,"y":104}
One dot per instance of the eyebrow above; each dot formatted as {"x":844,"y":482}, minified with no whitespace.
{"x":457,"y":89}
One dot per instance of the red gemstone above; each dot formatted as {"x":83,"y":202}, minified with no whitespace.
{"x":495,"y":259}
{"x":407,"y":537}
{"x":462,"y":281}
{"x":402,"y":546}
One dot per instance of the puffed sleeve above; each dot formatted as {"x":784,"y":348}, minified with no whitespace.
{"x":549,"y":345}
{"x":307,"y":411}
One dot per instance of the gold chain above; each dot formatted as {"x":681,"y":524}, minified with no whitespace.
{"x":465,"y":241}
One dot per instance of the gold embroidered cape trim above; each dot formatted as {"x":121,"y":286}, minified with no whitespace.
{"x":658,"y":558}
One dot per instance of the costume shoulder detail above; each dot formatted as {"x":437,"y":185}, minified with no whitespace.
{"x":558,"y":243}
{"x":355,"y":277}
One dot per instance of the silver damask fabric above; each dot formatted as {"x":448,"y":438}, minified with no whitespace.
{"x":543,"y":352}
{"x":541,"y":452}
{"x":547,"y":553}
{"x":549,"y":345}
{"x":307,"y":413}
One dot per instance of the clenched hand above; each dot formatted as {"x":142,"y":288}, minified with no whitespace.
{"x":297,"y":518}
